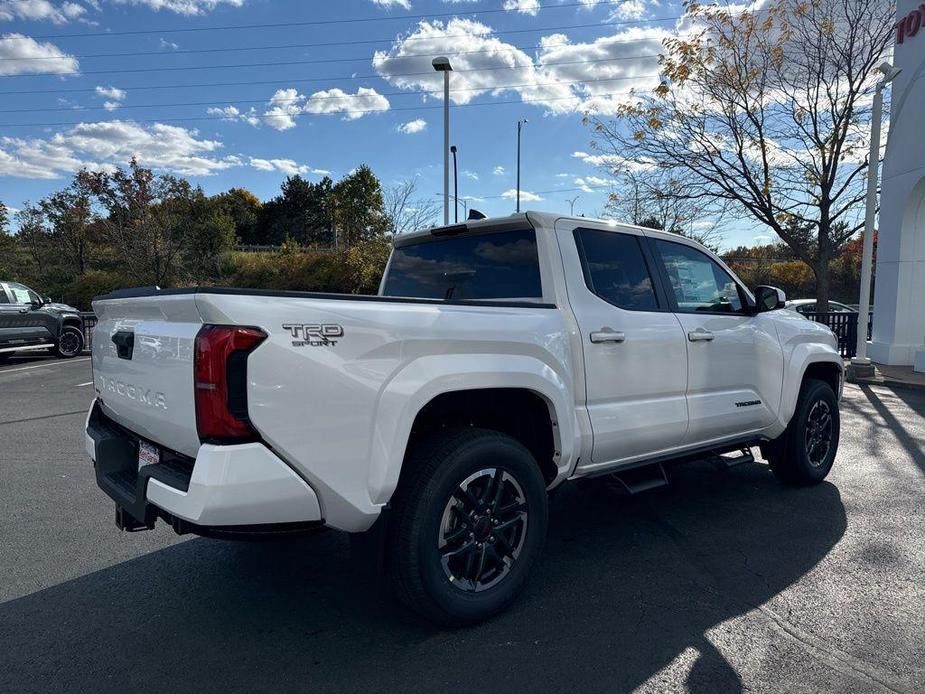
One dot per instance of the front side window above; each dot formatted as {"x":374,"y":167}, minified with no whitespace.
{"x":500,"y":265}
{"x":22,"y":294}
{"x":698,"y":283}
{"x":615,"y":269}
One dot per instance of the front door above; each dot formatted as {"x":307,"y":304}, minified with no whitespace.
{"x":734,"y":357}
{"x":635,"y":353}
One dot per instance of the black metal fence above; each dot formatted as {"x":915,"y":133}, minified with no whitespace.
{"x":89,"y":322}
{"x":845,"y":327}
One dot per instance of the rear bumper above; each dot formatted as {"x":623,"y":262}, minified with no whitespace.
{"x":237,"y":487}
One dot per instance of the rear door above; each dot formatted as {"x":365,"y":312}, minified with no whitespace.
{"x":634,"y":350}
{"x":734,"y":357}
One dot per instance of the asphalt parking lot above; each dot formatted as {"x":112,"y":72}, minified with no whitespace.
{"x":722,"y":582}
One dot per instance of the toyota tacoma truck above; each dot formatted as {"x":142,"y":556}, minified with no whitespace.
{"x":500,"y":359}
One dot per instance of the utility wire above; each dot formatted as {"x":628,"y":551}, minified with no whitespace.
{"x":346,"y":110}
{"x":329,"y":44}
{"x":281,"y":102}
{"x":316,"y":22}
{"x":308,"y":62}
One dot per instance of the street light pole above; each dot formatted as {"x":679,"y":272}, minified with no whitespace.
{"x":571,"y":205}
{"x":442,"y":64}
{"x":455,"y":186}
{"x":860,"y":363}
{"x":520,"y":125}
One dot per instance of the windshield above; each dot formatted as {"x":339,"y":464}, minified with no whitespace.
{"x":499,"y":265}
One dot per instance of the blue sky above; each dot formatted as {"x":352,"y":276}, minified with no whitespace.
{"x":195,"y":88}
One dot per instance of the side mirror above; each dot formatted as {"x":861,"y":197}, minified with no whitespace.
{"x":36,"y":305}
{"x":47,"y":299}
{"x":769,"y":298}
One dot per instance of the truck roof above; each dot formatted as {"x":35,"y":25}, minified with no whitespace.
{"x":535,"y":218}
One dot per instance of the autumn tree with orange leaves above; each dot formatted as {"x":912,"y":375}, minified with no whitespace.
{"x":765,"y":112}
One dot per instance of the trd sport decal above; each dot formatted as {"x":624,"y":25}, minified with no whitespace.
{"x":748,"y":403}
{"x":314,"y":334}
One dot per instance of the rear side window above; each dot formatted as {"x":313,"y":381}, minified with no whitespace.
{"x":3,"y":297}
{"x":501,"y":265}
{"x":615,"y":269}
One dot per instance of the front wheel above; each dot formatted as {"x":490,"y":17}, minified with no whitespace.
{"x":469,"y":523}
{"x":804,"y":453}
{"x":70,"y":343}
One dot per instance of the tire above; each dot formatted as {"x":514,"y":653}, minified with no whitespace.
{"x":70,"y":343}
{"x":804,"y":453}
{"x":445,"y":511}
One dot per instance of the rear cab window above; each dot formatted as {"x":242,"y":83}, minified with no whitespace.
{"x":490,"y":266}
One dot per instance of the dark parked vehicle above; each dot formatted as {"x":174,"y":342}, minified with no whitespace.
{"x":29,"y":322}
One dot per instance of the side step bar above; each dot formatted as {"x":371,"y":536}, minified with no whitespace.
{"x":25,"y":348}
{"x":724,"y":462}
{"x":639,"y":479}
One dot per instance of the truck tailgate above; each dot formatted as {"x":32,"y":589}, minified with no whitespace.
{"x":143,"y":366}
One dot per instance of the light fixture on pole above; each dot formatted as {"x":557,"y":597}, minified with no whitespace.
{"x":860,"y":364}
{"x":455,"y":186}
{"x":442,"y":64}
{"x":520,"y":124}
{"x":571,"y":205}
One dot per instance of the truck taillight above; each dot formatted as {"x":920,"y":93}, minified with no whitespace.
{"x":220,"y":372}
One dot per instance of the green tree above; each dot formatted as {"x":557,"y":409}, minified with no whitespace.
{"x":146,"y":217}
{"x":358,"y":208}
{"x":244,"y":209}
{"x":208,"y":239}
{"x":70,"y":216}
{"x":301,"y":213}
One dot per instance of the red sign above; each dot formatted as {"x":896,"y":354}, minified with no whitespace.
{"x":910,"y":24}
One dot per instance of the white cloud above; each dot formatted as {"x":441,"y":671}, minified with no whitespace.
{"x":284,"y":106}
{"x":499,"y":170}
{"x":353,"y":106}
{"x":589,"y":183}
{"x":530,"y":7}
{"x":613,"y":162}
{"x":21,"y":55}
{"x":286,"y":166}
{"x":104,"y":145}
{"x":415,"y":126}
{"x":404,"y":4}
{"x":187,"y":7}
{"x":563,"y":77}
{"x":111,"y":92}
{"x":114,"y":96}
{"x":164,"y":43}
{"x":471,"y":175}
{"x":481,"y":62}
{"x":525,"y":195}
{"x":233,"y":113}
{"x":628,"y":10}
{"x":39,"y":10}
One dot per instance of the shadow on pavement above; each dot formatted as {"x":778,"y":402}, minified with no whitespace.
{"x":626,"y":586}
{"x":913,"y":445}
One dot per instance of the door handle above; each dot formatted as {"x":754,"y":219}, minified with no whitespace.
{"x":607,"y":335}
{"x":24,"y":310}
{"x":700,"y":335}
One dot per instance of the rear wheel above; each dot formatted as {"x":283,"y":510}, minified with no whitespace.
{"x":469,"y":522}
{"x":70,"y":342}
{"x":804,"y":453}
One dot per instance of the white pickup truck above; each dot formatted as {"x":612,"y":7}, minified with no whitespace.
{"x":501,"y":358}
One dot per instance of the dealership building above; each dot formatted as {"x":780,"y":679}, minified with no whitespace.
{"x":899,"y":293}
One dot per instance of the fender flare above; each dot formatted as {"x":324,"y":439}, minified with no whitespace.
{"x":409,"y":390}
{"x":803,"y":356}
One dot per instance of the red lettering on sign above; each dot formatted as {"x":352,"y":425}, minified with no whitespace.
{"x":909,"y":25}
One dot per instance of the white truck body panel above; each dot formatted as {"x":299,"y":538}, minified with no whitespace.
{"x":339,"y":416}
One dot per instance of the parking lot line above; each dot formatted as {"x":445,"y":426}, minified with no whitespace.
{"x":81,"y":385}
{"x":43,"y":365}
